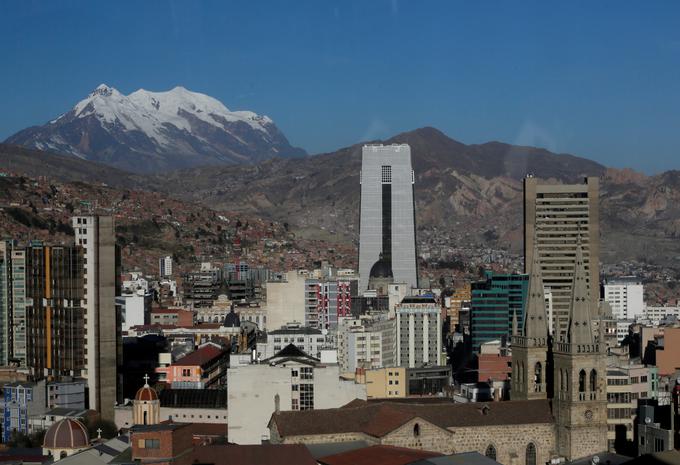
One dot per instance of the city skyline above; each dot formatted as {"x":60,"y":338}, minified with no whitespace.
{"x":598,"y":81}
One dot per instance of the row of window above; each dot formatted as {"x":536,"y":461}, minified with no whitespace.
{"x":530,"y":453}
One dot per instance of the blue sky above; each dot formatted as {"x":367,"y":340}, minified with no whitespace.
{"x":597,"y":79}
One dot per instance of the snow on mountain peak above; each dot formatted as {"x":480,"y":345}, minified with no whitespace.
{"x":151,"y":112}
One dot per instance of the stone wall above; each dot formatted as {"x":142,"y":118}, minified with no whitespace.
{"x":510,"y":441}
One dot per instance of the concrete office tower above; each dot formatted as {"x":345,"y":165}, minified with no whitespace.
{"x":387,"y":244}
{"x":556,"y":215}
{"x":96,"y":234}
{"x":419,"y":332}
{"x":165,"y":267}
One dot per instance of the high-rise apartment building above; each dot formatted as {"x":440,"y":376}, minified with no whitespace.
{"x":326,"y":301}
{"x":6,"y":306}
{"x":165,"y":266}
{"x":54,"y":313}
{"x":101,"y":262}
{"x":387,"y":245}
{"x":626,"y":297}
{"x":419,"y":332}
{"x":41,"y":308}
{"x":555,"y":216}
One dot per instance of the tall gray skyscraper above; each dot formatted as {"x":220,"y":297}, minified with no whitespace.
{"x":96,"y":235}
{"x":557,"y":216}
{"x":387,"y":243}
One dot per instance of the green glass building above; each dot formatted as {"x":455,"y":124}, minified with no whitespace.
{"x":494,"y":301}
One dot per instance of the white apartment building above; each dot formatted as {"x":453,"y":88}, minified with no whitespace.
{"x":165,"y":267}
{"x":289,"y":381}
{"x":658,"y":313}
{"x":626,"y":297}
{"x":135,"y":307}
{"x":309,"y":340}
{"x":419,"y":332}
{"x":622,"y":329}
{"x":369,"y":345}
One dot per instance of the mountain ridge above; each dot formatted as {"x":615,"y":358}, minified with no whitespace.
{"x":156,"y":131}
{"x":466,"y":195}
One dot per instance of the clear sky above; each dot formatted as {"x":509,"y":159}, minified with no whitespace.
{"x":600,"y":79}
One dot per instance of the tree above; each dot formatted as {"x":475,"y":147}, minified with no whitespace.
{"x":108,"y":428}
{"x":19,"y":439}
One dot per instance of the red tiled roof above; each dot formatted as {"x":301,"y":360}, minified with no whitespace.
{"x":378,"y":419}
{"x":200,"y":356}
{"x":209,"y":429}
{"x":266,"y":454}
{"x":378,"y":455}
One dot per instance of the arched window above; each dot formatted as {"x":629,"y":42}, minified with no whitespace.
{"x":593,"y":380}
{"x":416,"y":430}
{"x":531,"y":454}
{"x":566,"y":380}
{"x":491,"y":452}
{"x":145,"y":421}
{"x":582,"y":381}
{"x":538,"y":376}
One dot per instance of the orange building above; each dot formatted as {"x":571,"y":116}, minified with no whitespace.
{"x":668,"y":353}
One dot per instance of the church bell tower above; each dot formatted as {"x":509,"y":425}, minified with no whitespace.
{"x":580,"y":391}
{"x":530,"y":345}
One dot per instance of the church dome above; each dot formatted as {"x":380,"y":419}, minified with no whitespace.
{"x":146,"y":393}
{"x":66,"y":434}
{"x":381,"y":269}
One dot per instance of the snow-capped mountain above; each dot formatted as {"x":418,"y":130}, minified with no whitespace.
{"x":152,"y":131}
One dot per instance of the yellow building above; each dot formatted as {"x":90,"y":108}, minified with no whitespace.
{"x":462,"y":292}
{"x":386,"y":383}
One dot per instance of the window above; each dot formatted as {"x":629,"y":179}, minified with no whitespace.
{"x":294,"y":373}
{"x":538,"y":377}
{"x":491,"y":452}
{"x":582,"y":381}
{"x":294,"y":387}
{"x":593,"y":380}
{"x":531,"y":454}
{"x":386,"y":174}
{"x":152,"y":443}
{"x":306,"y":397}
{"x":306,"y":373}
{"x":416,"y":430}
